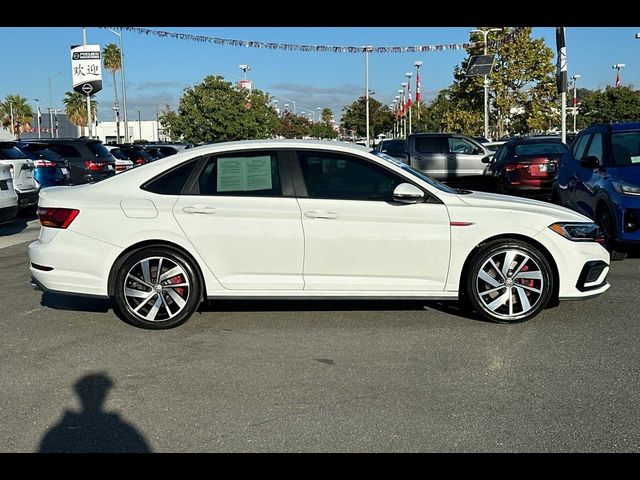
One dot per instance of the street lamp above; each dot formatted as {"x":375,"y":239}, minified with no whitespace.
{"x":485,"y":33}
{"x":288,"y":100}
{"x":38,"y":113}
{"x":13,"y":133}
{"x":319,"y":113}
{"x":575,"y":100}
{"x":618,"y":67}
{"x":124,"y":89}
{"x":244,"y":69}
{"x":409,"y":101}
{"x":51,"y":102}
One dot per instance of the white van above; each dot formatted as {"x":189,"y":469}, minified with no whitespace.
{"x":8,"y":197}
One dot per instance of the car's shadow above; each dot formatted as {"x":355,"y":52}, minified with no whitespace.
{"x":98,"y":305}
{"x":18,"y":225}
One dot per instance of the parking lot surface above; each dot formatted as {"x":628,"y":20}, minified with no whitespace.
{"x":318,"y":377}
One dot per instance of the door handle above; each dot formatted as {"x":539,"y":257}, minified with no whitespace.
{"x":321,"y":214}
{"x":199,"y":209}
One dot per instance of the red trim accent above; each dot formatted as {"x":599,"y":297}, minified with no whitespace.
{"x":460,"y":224}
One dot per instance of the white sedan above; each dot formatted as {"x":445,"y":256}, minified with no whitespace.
{"x":301,"y":219}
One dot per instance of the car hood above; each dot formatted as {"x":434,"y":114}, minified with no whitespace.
{"x":524,"y":205}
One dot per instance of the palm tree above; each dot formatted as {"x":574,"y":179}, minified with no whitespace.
{"x":112,"y":61}
{"x":75,"y":107}
{"x":22,"y":113}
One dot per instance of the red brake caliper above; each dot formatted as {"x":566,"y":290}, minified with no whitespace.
{"x":175,"y":280}
{"x":526,"y":281}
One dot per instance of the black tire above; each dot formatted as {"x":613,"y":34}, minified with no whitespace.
{"x":178,"y":302}
{"x":606,"y":223}
{"x":509,"y":287}
{"x":555,"y":197}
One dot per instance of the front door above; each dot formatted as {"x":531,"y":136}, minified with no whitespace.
{"x":242,"y":218}
{"x":357,"y":238}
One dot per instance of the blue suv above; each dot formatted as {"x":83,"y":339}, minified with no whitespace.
{"x":600,"y":177}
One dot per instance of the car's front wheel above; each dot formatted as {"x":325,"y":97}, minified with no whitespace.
{"x":606,"y":222}
{"x":156,"y":288}
{"x":508,"y":281}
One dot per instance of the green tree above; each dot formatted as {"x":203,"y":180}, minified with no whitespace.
{"x":354,"y":117}
{"x":322,"y":130}
{"x":112,"y":61}
{"x":22,"y":113}
{"x":327,"y":116}
{"x":521,"y":86}
{"x":215,"y":111}
{"x":75,"y":107}
{"x":613,"y":104}
{"x":294,"y":126}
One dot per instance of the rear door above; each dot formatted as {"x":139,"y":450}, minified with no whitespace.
{"x":428,"y":154}
{"x":242,"y":217}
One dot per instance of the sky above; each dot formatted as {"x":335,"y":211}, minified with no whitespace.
{"x":158,"y":69}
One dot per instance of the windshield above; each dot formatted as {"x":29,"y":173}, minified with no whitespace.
{"x":415,"y":173}
{"x":626,"y":148}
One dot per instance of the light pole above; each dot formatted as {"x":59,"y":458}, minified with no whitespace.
{"x":139,"y":126}
{"x":319,"y":113}
{"x":396,"y":123}
{"x":401,"y":106}
{"x":309,"y":111}
{"x":124,"y":89}
{"x":366,"y":88}
{"x":418,"y":64}
{"x":38,"y":113}
{"x":485,"y":33}
{"x":288,"y":100}
{"x":618,"y":67}
{"x":404,"y":102}
{"x":575,"y":100}
{"x":51,"y":102}
{"x":276,"y":103}
{"x":244,"y":69}
{"x":409,"y":101}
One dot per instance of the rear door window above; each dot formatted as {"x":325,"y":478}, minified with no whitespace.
{"x":66,"y":151}
{"x":580,"y":146}
{"x":428,"y":144}
{"x":98,"y":150}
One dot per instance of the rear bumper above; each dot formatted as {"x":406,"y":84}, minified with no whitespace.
{"x":27,"y":199}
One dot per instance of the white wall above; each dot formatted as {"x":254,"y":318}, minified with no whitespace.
{"x":144,"y":130}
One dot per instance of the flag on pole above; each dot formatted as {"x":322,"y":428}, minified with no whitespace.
{"x":409,"y":102}
{"x":561,"y":72}
{"x":418,"y":87}
{"x":618,"y":81}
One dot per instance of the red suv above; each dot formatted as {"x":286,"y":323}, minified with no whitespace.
{"x":525,"y":166}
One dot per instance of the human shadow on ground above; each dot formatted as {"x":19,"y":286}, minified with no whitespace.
{"x":92,"y":430}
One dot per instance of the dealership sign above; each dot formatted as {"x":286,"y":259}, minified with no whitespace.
{"x":86,"y":68}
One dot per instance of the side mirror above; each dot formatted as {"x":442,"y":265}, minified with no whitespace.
{"x":407,"y":193}
{"x":478,"y":151}
{"x":590,"y":162}
{"x":486,"y":160}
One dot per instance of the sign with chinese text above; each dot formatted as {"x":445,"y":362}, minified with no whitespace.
{"x":86,"y":68}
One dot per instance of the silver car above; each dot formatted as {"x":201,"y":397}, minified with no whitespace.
{"x":447,"y":156}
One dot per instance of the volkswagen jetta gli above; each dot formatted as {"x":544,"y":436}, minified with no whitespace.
{"x":295,"y":219}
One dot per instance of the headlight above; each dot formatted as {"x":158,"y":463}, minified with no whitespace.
{"x":626,"y":188}
{"x":579,"y":232}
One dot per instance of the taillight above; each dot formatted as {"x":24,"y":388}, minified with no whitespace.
{"x":510,"y":167}
{"x":139,"y":161}
{"x":57,"y":217}
{"x":95,"y":165}
{"x":43,"y":163}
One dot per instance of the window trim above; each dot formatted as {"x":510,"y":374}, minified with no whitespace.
{"x":187,"y":182}
{"x":301,"y":186}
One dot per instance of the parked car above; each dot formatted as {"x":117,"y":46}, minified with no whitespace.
{"x":51,"y":169}
{"x":525,"y":167}
{"x":447,"y":156}
{"x":8,"y":196}
{"x":304,"y":219}
{"x":89,"y":161}
{"x":600,"y":178}
{"x":493,"y":146}
{"x":161,"y":151}
{"x":136,"y":153}
{"x":122,"y":162}
{"x":394,"y":147}
{"x":22,"y":172}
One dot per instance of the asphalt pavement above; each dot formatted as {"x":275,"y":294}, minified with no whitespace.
{"x":318,"y":376}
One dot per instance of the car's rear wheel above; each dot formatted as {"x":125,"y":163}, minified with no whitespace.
{"x":157,"y":288}
{"x":606,"y":222}
{"x":508,"y":281}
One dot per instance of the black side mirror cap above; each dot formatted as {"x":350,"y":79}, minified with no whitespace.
{"x":486,"y":160}
{"x":590,"y":162}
